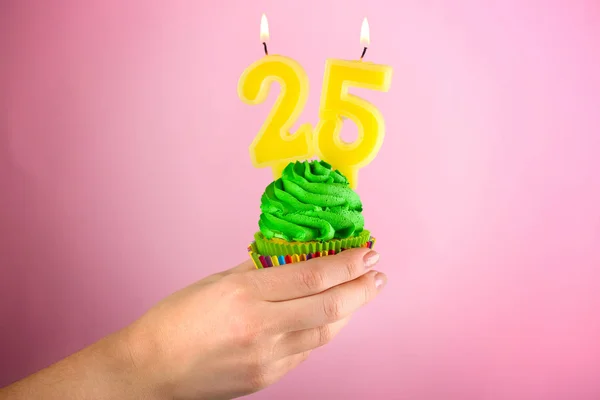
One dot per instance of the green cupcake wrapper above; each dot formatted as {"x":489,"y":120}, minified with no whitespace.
{"x":267,"y":247}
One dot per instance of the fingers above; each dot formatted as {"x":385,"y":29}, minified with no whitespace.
{"x":246,"y":266}
{"x":264,"y":378}
{"x":331,"y":305}
{"x":308,"y":339}
{"x":293,"y":361}
{"x":289,"y":363}
{"x":314,"y":276}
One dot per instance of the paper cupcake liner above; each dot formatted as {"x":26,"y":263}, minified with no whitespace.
{"x":278,"y":247}
{"x":310,"y":250}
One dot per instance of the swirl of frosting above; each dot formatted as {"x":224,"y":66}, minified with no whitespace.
{"x":310,"y":201}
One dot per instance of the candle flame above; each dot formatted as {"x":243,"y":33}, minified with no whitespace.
{"x":264,"y":29}
{"x":365,"y":38}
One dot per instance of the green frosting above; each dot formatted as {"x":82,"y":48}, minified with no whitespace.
{"x":310,"y":202}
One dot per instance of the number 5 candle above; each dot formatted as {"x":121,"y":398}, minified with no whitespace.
{"x":337,"y":103}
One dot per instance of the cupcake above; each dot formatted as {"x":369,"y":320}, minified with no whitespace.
{"x":310,"y":211}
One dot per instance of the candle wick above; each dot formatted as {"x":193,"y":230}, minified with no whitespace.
{"x":266,"y":50}
{"x":363,"y":53}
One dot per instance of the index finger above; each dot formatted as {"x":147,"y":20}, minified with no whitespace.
{"x":314,"y":276}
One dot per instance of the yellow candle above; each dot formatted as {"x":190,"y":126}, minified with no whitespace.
{"x":337,"y":103}
{"x":275,"y":146}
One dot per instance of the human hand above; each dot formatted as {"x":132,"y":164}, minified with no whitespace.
{"x":239,"y":331}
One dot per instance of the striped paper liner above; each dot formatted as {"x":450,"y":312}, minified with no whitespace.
{"x":261,"y":261}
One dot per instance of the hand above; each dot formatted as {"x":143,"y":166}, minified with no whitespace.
{"x":239,"y":331}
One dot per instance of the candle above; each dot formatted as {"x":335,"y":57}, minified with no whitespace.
{"x":275,"y":146}
{"x":337,"y":103}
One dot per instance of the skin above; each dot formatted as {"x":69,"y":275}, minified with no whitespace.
{"x":226,"y":336}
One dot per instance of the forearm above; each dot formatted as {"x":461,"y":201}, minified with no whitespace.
{"x":104,"y":370}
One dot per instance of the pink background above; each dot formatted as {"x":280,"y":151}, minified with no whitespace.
{"x":124,"y":169}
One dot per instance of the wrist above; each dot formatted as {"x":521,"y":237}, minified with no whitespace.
{"x":138,"y":359}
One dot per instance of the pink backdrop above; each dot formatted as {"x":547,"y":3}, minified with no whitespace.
{"x":124,"y":175}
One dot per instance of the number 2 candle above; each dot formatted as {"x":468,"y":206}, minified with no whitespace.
{"x":275,"y":146}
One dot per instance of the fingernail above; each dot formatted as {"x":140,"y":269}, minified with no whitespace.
{"x":380,"y":280}
{"x":371,"y":259}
